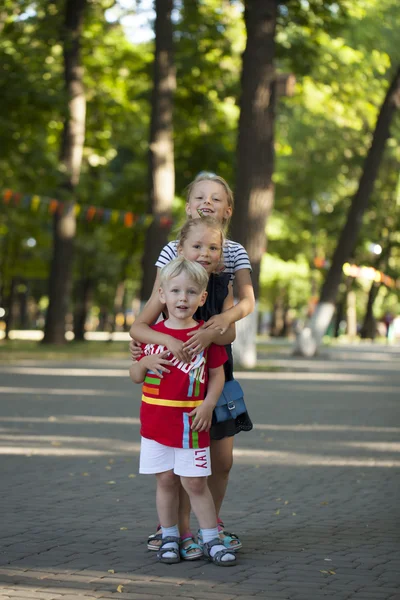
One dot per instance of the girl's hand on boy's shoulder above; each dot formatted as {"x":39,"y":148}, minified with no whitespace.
{"x":135,"y":349}
{"x":199,"y":340}
{"x":176,"y":347}
{"x":157,"y":363}
{"x":220,"y":322}
{"x":201,"y":417}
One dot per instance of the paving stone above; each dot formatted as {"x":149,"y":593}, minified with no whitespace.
{"x":61,"y":534}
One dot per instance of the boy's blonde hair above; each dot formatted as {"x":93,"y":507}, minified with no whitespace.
{"x":208,"y":176}
{"x":193,"y":270}
{"x":209,"y":222}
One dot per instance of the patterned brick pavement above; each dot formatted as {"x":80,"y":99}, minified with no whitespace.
{"x":314,"y":492}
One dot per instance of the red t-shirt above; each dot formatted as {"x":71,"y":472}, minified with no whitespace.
{"x":167,"y":401}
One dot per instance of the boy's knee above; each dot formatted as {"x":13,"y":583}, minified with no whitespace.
{"x":194,"y":485}
{"x":167,"y":479}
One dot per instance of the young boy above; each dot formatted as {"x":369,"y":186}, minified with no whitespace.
{"x":178,"y":400}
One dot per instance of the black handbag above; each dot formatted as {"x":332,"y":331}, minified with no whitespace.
{"x":231,"y":402}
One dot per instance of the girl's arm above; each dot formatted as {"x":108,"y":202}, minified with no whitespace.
{"x":137,"y":372}
{"x":141,"y":330}
{"x":202,"y":415}
{"x":240,"y":310}
{"x":229,"y":336}
{"x":154,"y":362}
{"x":203,"y":337}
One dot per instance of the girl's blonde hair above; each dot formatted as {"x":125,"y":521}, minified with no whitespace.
{"x":206,"y":221}
{"x":208,"y":176}
{"x":195,"y":272}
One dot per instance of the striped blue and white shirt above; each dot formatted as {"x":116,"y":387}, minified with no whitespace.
{"x":235,"y":256}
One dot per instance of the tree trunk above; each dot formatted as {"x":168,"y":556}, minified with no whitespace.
{"x":161,"y":147}
{"x":9,"y":305}
{"x":119,"y":304}
{"x":255,"y":154}
{"x":64,"y":224}
{"x":311,"y":336}
{"x":103,"y":319}
{"x":279,"y":325}
{"x":339,"y":316}
{"x":23,"y":304}
{"x":368,"y":328}
{"x":82,"y":306}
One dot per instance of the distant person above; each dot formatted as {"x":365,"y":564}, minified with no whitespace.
{"x":178,"y":400}
{"x":388,"y":320}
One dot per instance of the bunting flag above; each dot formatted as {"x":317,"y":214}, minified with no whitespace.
{"x":357,"y":272}
{"x":83,"y":213}
{"x":370,"y":274}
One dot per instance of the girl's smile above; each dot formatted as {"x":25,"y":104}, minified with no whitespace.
{"x":209,"y":198}
{"x":203,"y":245}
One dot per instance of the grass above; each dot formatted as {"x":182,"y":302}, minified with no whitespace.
{"x":19,"y":350}
{"x":12,"y":350}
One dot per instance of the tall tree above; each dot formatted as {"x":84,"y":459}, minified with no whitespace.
{"x":64,"y":224}
{"x":311,"y":336}
{"x":161,"y":146}
{"x":255,"y":150}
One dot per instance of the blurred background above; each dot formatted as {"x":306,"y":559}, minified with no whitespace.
{"x":109,"y":109}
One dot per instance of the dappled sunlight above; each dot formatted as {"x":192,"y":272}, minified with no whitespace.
{"x":240,"y":375}
{"x":323,"y":453}
{"x":328,"y":365}
{"x":321,"y":427}
{"x":39,"y":582}
{"x":376,"y":446}
{"x":60,"y":445}
{"x":339,"y":388}
{"x":385,"y":354}
{"x":61,"y":391}
{"x":295,"y":376}
{"x":74,"y":420}
{"x":110,"y":420}
{"x":318,"y":452}
{"x":301,"y":459}
{"x":66,"y":371}
{"x":42,"y":451}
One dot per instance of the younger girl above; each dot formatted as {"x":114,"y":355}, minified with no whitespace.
{"x":208,"y":195}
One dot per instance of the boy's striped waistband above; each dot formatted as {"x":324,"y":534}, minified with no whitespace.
{"x":173,"y":403}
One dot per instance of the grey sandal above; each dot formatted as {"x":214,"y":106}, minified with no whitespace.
{"x":154,"y":541}
{"x":217,"y":558}
{"x":169,"y":560}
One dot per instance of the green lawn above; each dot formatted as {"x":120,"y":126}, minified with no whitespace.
{"x":15,"y":350}
{"x":12,"y":350}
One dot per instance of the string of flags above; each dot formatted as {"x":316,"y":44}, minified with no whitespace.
{"x":361,"y":272}
{"x":370,"y":274}
{"x":82,"y":212}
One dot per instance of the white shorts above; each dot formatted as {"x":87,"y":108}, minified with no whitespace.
{"x":185,"y":462}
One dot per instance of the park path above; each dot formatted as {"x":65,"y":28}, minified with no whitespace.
{"x":314,"y":492}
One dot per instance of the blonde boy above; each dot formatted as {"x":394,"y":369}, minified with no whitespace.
{"x":178,"y":400}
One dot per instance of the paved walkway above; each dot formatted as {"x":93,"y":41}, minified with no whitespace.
{"x":314,"y":492}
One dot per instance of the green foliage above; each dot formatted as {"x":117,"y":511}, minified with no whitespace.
{"x":288,"y":277}
{"x":209,"y":40}
{"x":342,"y":54}
{"x":324,"y":130}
